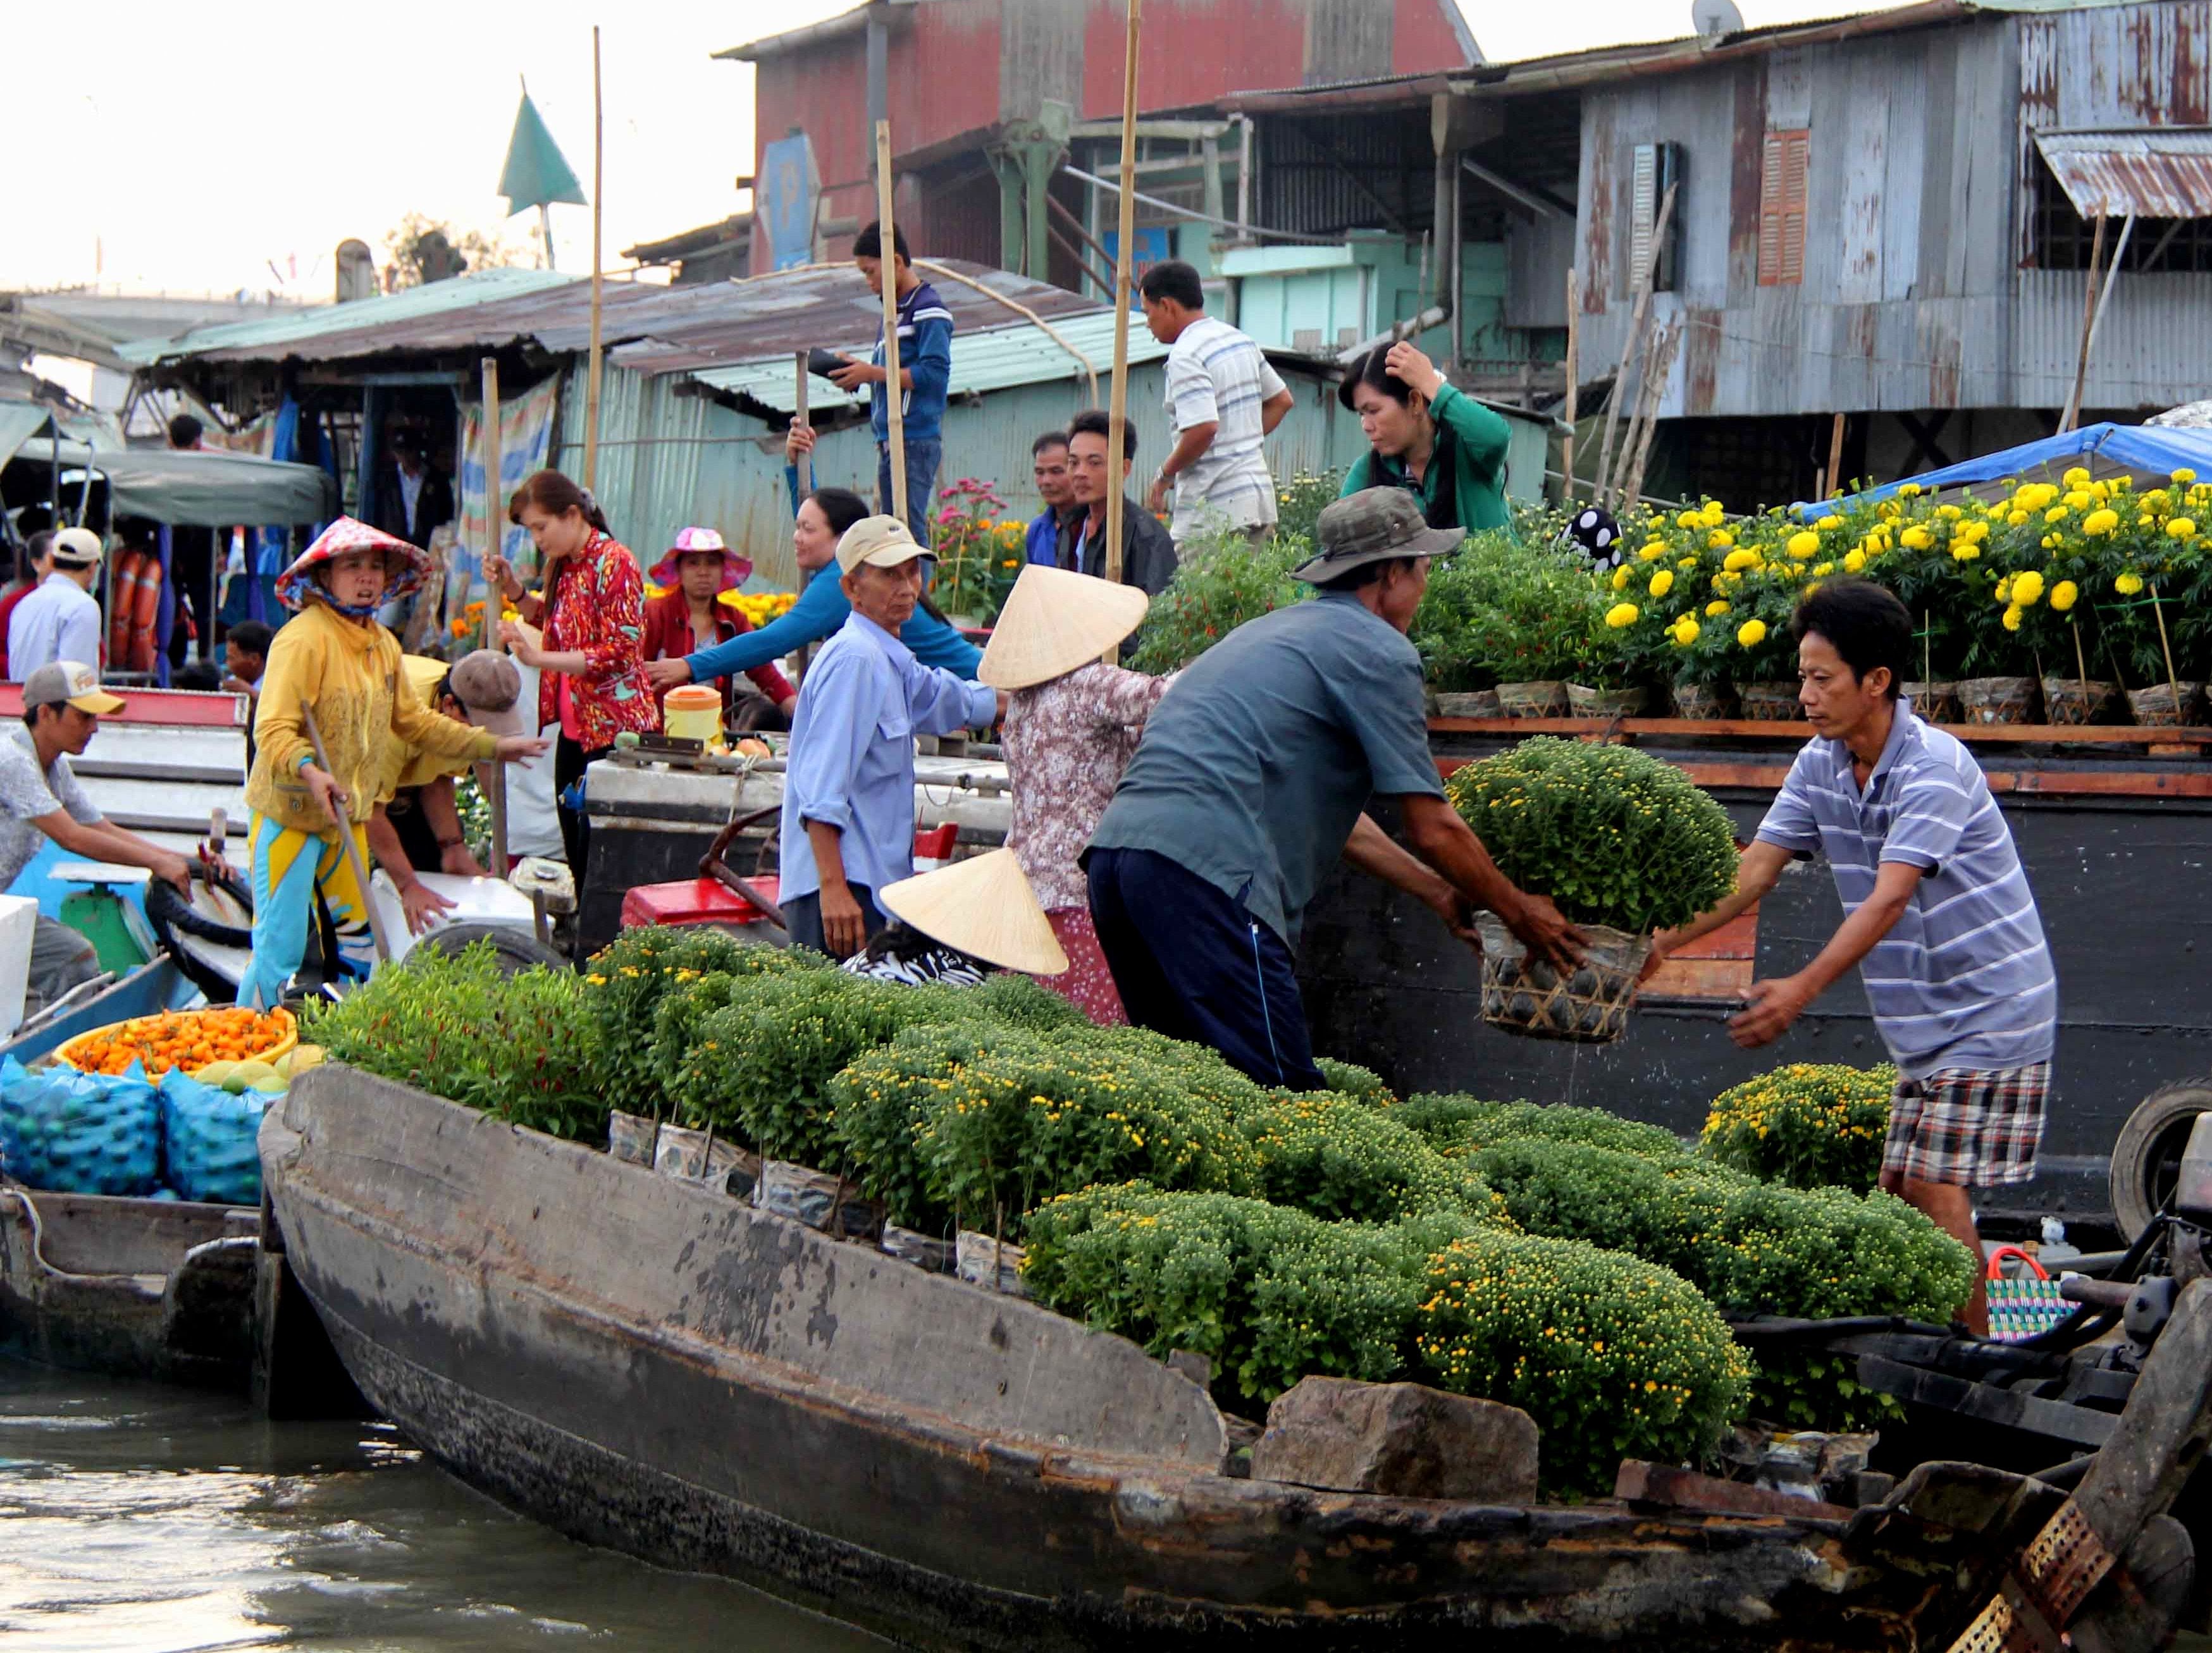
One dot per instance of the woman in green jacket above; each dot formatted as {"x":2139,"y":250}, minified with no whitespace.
{"x":1437,"y":443}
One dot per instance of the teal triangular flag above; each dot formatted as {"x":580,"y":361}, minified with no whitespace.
{"x":537,"y":173}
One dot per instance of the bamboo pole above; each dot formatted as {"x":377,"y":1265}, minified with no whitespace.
{"x":2067,"y":419}
{"x":1835,"y":456}
{"x":799,"y":412}
{"x":2173,"y":677}
{"x":1118,"y":402}
{"x":1662,"y":364}
{"x":493,"y":776}
{"x":598,"y":189}
{"x":2097,"y":318}
{"x":1643,"y":278}
{"x":947,"y":273}
{"x":1574,"y":347}
{"x":887,"y":259}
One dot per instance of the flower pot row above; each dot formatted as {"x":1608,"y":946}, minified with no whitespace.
{"x":2056,"y":701}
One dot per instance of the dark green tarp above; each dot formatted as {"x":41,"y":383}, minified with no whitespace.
{"x":201,"y":489}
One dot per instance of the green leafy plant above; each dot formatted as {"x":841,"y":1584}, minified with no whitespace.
{"x":1361,"y":1084}
{"x":523,"y":1048}
{"x":1613,"y":835}
{"x":1506,"y":608}
{"x":1807,"y":1126}
{"x":1300,"y":501}
{"x":627,"y":980}
{"x":1335,"y":1158}
{"x":1463,"y":1124}
{"x":1217,"y":586}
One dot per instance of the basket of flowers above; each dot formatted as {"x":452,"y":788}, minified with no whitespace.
{"x":1624,"y":843}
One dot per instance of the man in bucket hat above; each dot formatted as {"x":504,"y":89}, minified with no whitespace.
{"x":1253,"y":781}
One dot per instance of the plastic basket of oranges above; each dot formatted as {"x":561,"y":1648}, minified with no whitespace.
{"x":188,"y":1039}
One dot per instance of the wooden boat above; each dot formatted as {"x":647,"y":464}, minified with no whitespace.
{"x":133,"y":1289}
{"x":649,"y":1365}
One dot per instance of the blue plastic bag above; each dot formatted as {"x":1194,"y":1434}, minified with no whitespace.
{"x":77,"y":1133}
{"x":210,"y":1138}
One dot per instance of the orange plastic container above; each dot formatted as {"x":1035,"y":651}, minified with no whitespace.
{"x":692,"y":712}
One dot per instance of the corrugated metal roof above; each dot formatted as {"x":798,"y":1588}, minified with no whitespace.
{"x":312,"y":332}
{"x":998,"y":359}
{"x":2155,"y":171}
{"x":646,"y":328}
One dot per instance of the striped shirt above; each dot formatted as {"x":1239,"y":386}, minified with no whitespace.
{"x":1964,"y":978}
{"x":924,"y":336}
{"x":1216,"y":376}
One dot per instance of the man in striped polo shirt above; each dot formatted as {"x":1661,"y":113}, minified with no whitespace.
{"x":1223,"y":398}
{"x":1938,"y":916}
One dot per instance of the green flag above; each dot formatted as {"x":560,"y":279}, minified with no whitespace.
{"x":537,"y":174}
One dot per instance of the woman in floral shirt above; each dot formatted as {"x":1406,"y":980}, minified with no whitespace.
{"x":1071,"y":730}
{"x":590,"y":656}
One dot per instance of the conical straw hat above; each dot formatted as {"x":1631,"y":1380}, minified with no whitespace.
{"x":983,"y":906}
{"x":1054,"y":621}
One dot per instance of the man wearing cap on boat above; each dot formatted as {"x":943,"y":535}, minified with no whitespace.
{"x":1071,"y":725}
{"x":416,"y":825}
{"x":59,"y":620}
{"x":847,"y":823}
{"x":40,"y":799}
{"x":1252,"y":782}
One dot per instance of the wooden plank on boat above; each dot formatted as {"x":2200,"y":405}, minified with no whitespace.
{"x":1664,"y":1486}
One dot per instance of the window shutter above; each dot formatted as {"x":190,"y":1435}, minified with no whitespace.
{"x":1782,"y":168}
{"x":1644,"y":210}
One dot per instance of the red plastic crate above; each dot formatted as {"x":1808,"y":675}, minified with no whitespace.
{"x":695,"y":901}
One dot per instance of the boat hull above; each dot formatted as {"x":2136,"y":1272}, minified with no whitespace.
{"x":652,"y":1366}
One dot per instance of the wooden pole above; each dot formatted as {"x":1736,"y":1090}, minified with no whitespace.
{"x":346,"y":842}
{"x":1629,"y":346}
{"x":598,"y":189}
{"x":1835,"y":456}
{"x":492,"y":776}
{"x":2097,"y":318}
{"x":1574,"y":347}
{"x":1118,"y":399}
{"x":887,"y":251}
{"x":1663,"y":364}
{"x":2073,"y":414}
{"x":799,"y":412}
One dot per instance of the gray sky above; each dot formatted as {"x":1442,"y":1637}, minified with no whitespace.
{"x":190,"y":148}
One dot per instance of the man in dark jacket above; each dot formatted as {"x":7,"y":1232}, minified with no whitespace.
{"x":411,"y":497}
{"x":1148,"y":554}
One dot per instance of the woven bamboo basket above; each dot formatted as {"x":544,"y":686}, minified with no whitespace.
{"x":1470,"y":703}
{"x":2155,"y":708}
{"x":1702,"y":702}
{"x":1545,"y":698}
{"x":1770,"y":703}
{"x":1997,"y":700}
{"x":2071,"y":700}
{"x":1606,"y":702}
{"x":1527,"y":996}
{"x":1936,"y":703}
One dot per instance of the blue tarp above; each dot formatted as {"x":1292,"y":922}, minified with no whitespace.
{"x":2145,"y":450}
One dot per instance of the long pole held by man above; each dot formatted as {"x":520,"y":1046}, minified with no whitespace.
{"x":1118,"y":400}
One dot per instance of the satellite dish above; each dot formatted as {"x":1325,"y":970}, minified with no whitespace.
{"x":1712,"y":19}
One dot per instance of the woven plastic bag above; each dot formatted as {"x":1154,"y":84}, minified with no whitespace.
{"x":211,"y":1139}
{"x":76,"y":1133}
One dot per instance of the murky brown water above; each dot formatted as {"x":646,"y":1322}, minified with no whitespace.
{"x":161,"y":1521}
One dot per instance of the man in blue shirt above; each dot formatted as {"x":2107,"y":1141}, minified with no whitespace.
{"x":1937,"y":915}
{"x":924,"y":340}
{"x":1252,"y":782}
{"x":1048,"y":463}
{"x":848,"y":824}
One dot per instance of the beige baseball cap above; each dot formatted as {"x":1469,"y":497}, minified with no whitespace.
{"x":879,"y":541}
{"x":76,"y":547}
{"x":69,"y":682}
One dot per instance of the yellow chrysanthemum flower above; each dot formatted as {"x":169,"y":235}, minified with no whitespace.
{"x":2128,"y":584}
{"x":2182,"y":529}
{"x":1803,"y":544}
{"x":2099,"y":522}
{"x":1965,"y":553}
{"x":1752,"y":634}
{"x":1620,"y":576}
{"x":2074,"y":476}
{"x":2185,"y":475}
{"x":1737,"y":560}
{"x":2012,"y":619}
{"x":2026,"y":588}
{"x":1662,"y":582}
{"x":1687,"y":631}
{"x":1915,"y":538}
{"x":1716,"y":607}
{"x":2064,"y":595}
{"x":1620,"y":614}
{"x":1853,"y":561}
{"x":1652,"y":552}
{"x":1720,"y":539}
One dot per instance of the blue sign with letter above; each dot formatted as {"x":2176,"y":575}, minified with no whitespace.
{"x":786,"y":188}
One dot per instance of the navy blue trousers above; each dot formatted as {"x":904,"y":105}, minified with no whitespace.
{"x":1190,"y":962}
{"x":802,"y":916}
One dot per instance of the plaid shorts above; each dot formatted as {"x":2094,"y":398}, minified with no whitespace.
{"x":1970,"y":1129}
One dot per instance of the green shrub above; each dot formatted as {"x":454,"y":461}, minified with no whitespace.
{"x":1333,"y":1157}
{"x":1361,"y":1084}
{"x":1463,"y":1124}
{"x":1612,"y":1357}
{"x":1268,"y":1294}
{"x":1022,"y":1002}
{"x":1512,"y":607}
{"x":1808,"y":1125}
{"x":523,"y":1048}
{"x":1216,"y":589}
{"x":1614,"y":835}
{"x":629,"y":977}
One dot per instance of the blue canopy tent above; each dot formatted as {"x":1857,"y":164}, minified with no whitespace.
{"x":2147,"y":452}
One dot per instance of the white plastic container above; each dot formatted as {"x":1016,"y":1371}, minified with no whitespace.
{"x":477,"y":901}
{"x":19,"y":917}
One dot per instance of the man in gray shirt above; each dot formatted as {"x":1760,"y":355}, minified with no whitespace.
{"x":40,"y":799}
{"x":1938,"y":916}
{"x":1252,"y":782}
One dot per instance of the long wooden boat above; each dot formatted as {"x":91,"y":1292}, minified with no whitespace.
{"x":649,"y":1365}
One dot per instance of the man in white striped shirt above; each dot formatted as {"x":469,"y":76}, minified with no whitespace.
{"x":1938,"y":916}
{"x":1223,"y":398}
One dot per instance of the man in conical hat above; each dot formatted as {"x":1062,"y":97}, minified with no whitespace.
{"x":954,"y":926}
{"x":1071,"y":726}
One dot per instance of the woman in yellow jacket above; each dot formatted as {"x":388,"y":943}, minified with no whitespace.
{"x":335,"y":661}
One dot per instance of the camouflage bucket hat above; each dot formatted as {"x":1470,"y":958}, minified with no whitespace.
{"x":1374,"y":525}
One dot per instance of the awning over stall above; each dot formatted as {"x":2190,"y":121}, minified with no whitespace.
{"x":200,"y":489}
{"x":2149,"y":172}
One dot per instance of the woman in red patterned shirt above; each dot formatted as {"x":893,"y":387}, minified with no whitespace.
{"x":590,"y":656}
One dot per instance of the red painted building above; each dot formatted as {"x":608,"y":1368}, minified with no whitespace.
{"x":982,"y":95}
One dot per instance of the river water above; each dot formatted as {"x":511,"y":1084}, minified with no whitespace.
{"x":162,"y":1521}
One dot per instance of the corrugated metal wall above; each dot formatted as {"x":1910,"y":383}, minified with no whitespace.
{"x":1912,"y":297}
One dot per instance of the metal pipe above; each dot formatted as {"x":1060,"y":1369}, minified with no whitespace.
{"x":1154,"y":201}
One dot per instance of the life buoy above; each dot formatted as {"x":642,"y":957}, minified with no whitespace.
{"x":140,"y":609}
{"x":121,"y":592}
